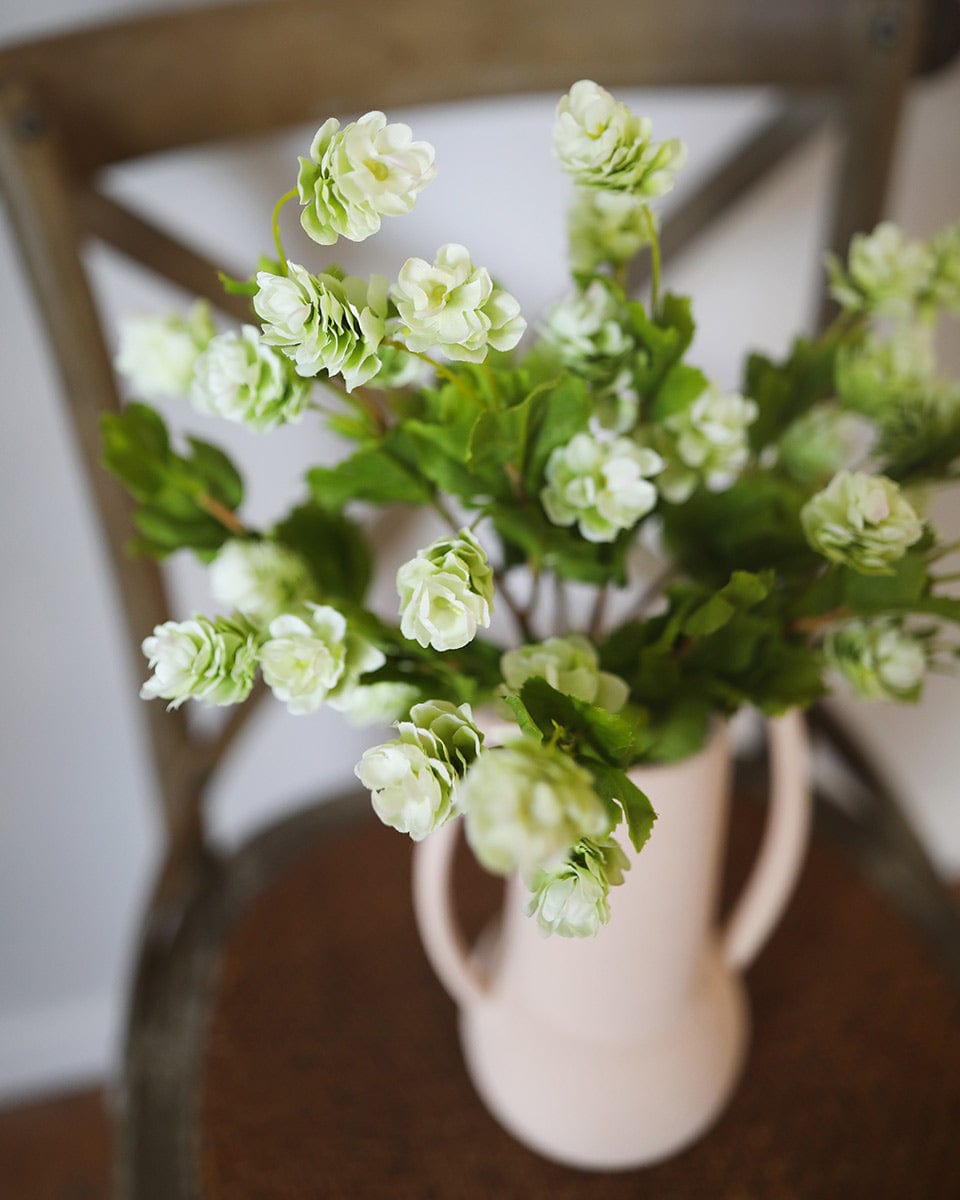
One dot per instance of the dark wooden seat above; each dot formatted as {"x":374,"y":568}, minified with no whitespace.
{"x":284,"y":1036}
{"x":325,"y":1063}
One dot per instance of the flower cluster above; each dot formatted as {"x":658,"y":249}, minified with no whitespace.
{"x":412,"y":778}
{"x":586,"y":332}
{"x":356,"y":175}
{"x":602,"y":487}
{"x":600,"y":142}
{"x":260,"y":578}
{"x":157,"y":355}
{"x":453,"y":306}
{"x":526,"y":804}
{"x":879,"y":659}
{"x":315,"y":658}
{"x":446,"y":593}
{"x":201,"y":659}
{"x":329,"y":322}
{"x":862,"y":521}
{"x":595,"y":459}
{"x":606,"y":229}
{"x":572,"y":900}
{"x":570,"y":665}
{"x":239,"y":378}
{"x":705,"y":442}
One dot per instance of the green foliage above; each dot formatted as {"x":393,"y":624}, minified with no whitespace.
{"x":173,"y":491}
{"x":784,"y":391}
{"x":529,"y":536}
{"x":248,"y":287}
{"x":664,"y":340}
{"x":592,"y":732}
{"x":379,"y":474}
{"x":334,"y":548}
{"x":752,"y":526}
{"x":615,"y":787}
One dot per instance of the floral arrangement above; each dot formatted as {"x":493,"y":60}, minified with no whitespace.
{"x":751,"y":543}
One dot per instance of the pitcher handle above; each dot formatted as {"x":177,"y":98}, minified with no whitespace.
{"x":765,"y":894}
{"x":445,"y":945}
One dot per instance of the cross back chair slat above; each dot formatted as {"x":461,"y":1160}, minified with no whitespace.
{"x":74,"y":104}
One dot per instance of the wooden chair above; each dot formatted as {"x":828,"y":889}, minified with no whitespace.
{"x":72,"y":105}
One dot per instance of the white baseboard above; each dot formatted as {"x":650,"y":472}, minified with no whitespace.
{"x":57,"y":1047}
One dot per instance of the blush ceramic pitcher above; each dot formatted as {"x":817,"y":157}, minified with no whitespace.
{"x":616,"y":1051}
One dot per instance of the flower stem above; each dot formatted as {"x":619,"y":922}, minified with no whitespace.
{"x":599,"y":611}
{"x":275,"y":222}
{"x":440,"y":368}
{"x":227,"y":517}
{"x":654,"y":263}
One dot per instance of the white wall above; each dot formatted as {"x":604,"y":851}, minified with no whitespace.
{"x":78,"y":835}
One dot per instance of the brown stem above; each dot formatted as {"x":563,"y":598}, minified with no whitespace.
{"x":815,"y":624}
{"x":595,"y":627}
{"x":226,"y":516}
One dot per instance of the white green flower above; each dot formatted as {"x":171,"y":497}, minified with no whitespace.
{"x":825,"y":440}
{"x":601,"y":486}
{"x":707,"y":443}
{"x":240,"y":378}
{"x":314,"y":659}
{"x":572,"y":900}
{"x":876,"y":376}
{"x":260,"y":579}
{"x":526,"y":805}
{"x":453,"y":306}
{"x":157,"y":354}
{"x":861,"y":520}
{"x":885,"y":272}
{"x":879,"y":659}
{"x":446,"y":593}
{"x":616,"y":405}
{"x":329,"y":322}
{"x":600,"y":142}
{"x":944,"y":286}
{"x":356,"y":175}
{"x":412,"y":778}
{"x":569,"y":664}
{"x":586,"y":334}
{"x":606,"y":229}
{"x":379,"y":703}
{"x":210,"y":660}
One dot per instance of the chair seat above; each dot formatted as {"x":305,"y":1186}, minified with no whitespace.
{"x":329,"y":1064}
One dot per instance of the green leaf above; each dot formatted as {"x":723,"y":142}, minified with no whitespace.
{"x":528,"y":534}
{"x":558,"y":412}
{"x":742,"y":592}
{"x":612,"y":737}
{"x":614,"y":785}
{"x":521,"y":715}
{"x":334,"y":548}
{"x":681,"y":385}
{"x":168,"y":486}
{"x":783,"y":391}
{"x":219,"y":477}
{"x":373,"y":474}
{"x":752,"y":526}
{"x":679,"y":731}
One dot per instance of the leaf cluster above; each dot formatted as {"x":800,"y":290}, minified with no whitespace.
{"x":173,"y":491}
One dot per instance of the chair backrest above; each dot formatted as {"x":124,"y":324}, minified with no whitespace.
{"x":72,"y":105}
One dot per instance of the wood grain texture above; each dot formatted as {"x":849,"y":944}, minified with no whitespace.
{"x":57,"y":1149}
{"x":173,"y":79}
{"x":332,"y":1068}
